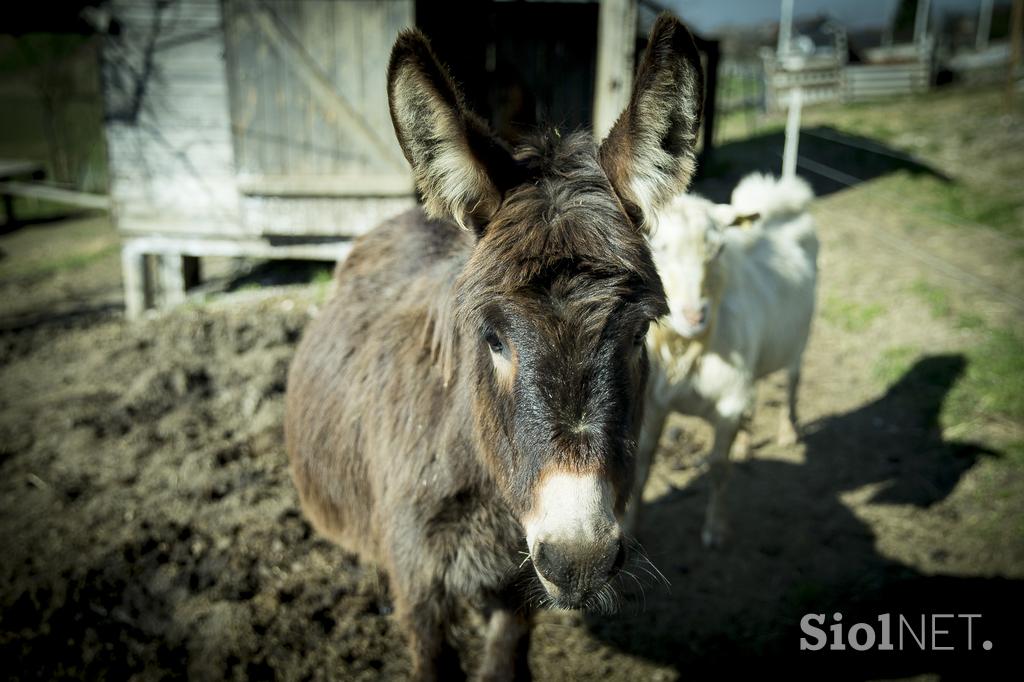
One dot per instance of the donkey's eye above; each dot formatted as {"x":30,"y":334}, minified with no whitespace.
{"x":641,"y":334}
{"x":495,"y":344}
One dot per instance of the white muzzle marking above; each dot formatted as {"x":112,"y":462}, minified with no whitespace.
{"x":571,"y":509}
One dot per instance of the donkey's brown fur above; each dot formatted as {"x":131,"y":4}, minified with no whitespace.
{"x":475,"y":365}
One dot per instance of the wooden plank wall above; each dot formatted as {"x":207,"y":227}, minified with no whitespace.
{"x":818,"y":85}
{"x":281,"y":126}
{"x":320,"y":216}
{"x":878,"y":81}
{"x":311,"y":123}
{"x":167,"y":119}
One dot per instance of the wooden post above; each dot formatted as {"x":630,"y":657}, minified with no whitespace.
{"x":616,"y":41}
{"x":984,"y":25}
{"x":785,"y":28}
{"x":133,"y":274}
{"x":711,"y":51}
{"x":796,"y":101}
{"x":921,"y":20}
{"x":172,"y":279}
{"x":1016,"y":27}
{"x":751,"y":83}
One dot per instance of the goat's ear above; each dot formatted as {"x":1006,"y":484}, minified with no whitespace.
{"x":649,"y":154}
{"x":461,"y":169}
{"x":726,"y":215}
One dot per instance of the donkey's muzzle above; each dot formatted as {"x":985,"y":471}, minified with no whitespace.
{"x":573,"y":572}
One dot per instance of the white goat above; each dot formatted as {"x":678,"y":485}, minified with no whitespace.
{"x":740,"y":281}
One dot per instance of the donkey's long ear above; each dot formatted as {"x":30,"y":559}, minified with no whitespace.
{"x":460,"y":168}
{"x":649,"y":153}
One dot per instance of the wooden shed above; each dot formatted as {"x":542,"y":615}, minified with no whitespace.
{"x":260,"y":127}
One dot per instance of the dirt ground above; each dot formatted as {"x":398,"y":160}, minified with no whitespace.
{"x":150,"y":530}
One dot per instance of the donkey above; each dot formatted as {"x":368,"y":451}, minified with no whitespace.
{"x":464,"y":412}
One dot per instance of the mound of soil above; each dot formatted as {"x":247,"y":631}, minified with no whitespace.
{"x":149,"y":524}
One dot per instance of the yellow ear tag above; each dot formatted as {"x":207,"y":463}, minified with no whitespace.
{"x":745,"y":221}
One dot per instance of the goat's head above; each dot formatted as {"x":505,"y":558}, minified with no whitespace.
{"x":552,"y":306}
{"x":687,"y":247}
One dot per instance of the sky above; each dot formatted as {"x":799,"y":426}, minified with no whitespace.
{"x":709,"y":15}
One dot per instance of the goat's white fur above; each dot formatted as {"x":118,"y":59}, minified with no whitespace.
{"x":760,"y":292}
{"x":769,"y":196}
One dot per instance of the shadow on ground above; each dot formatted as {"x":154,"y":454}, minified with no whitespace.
{"x":53,"y":321}
{"x":796,"y":548}
{"x":831,"y":160}
{"x":278,"y":273}
{"x":56,"y":219}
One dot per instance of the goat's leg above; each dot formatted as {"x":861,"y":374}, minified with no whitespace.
{"x":715,"y":524}
{"x":788,"y":433}
{"x":506,"y":647}
{"x":650,"y":435}
{"x":742,"y":446}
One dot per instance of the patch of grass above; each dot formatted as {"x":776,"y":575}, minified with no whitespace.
{"x":851,"y":315}
{"x":34,"y":270}
{"x":994,"y":381}
{"x":979,"y":206}
{"x":880,"y":131}
{"x":894,"y":363}
{"x":970,"y":321}
{"x":740,"y":124}
{"x":996,"y":518}
{"x":957,"y":201}
{"x":322,"y":276}
{"x":992,"y":384}
{"x":935,"y":297}
{"x":321,"y":281}
{"x":1014,"y":453}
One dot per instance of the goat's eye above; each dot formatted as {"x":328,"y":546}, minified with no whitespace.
{"x":641,"y":334}
{"x":495,"y":344}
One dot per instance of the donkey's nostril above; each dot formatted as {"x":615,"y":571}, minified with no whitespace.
{"x":578,"y":569}
{"x":553,"y":564}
